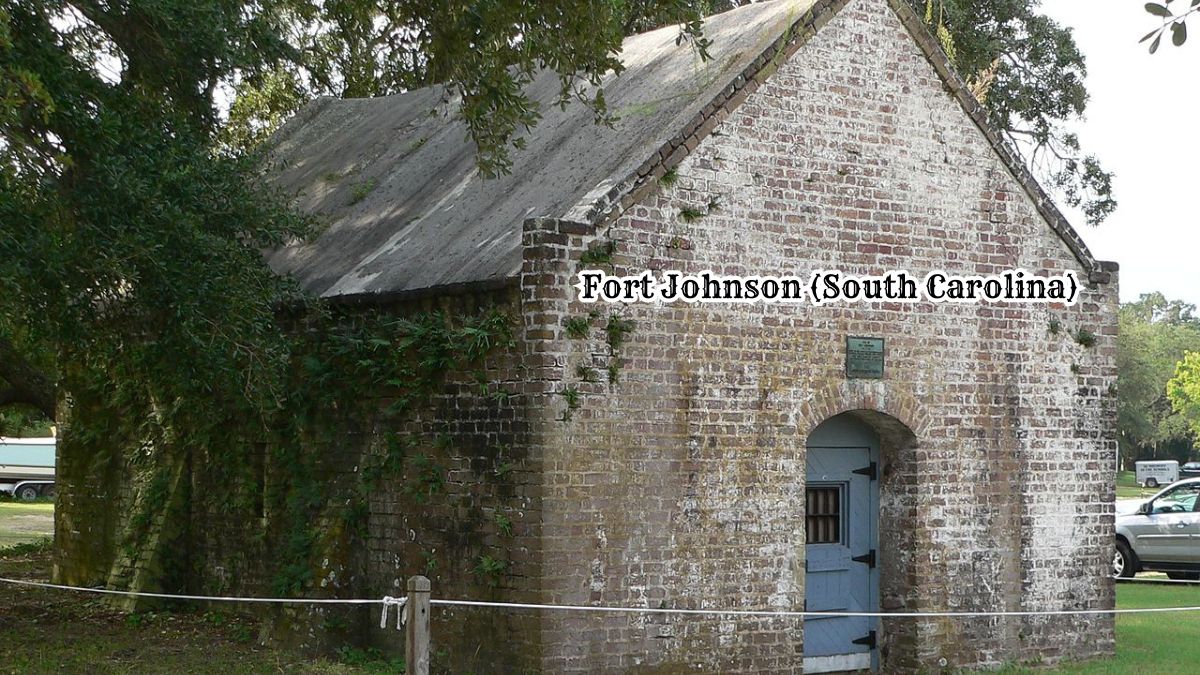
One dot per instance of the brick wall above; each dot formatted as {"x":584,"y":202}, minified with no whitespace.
{"x":488,"y":512}
{"x":463,"y":509}
{"x":680,"y":485}
{"x":91,"y":484}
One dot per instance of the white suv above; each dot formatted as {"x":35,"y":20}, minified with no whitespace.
{"x":1162,"y":535}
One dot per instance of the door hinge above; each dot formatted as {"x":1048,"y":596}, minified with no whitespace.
{"x":868,"y":558}
{"x":871,"y":471}
{"x":869,"y":640}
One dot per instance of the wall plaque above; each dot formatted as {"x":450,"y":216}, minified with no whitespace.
{"x":864,"y":357}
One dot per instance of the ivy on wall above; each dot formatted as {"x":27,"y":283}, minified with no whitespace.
{"x":346,"y":373}
{"x":355,"y":370}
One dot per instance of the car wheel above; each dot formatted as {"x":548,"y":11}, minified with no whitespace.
{"x":1184,"y":576}
{"x":1124,"y":562}
{"x":1151,"y":482}
{"x":27,"y":493}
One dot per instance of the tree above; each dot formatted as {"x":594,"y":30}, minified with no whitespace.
{"x":18,"y":423}
{"x":1184,"y":390}
{"x":1029,"y":74}
{"x":132,"y":216}
{"x":1155,"y":334}
{"x":483,"y":53}
{"x":129,"y":249}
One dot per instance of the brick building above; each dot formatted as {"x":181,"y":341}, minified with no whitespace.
{"x":666,"y":456}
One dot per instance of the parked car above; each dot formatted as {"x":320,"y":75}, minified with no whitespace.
{"x":1190,"y":470}
{"x":1162,"y":535}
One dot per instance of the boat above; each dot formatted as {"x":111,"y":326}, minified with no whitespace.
{"x":27,"y":467}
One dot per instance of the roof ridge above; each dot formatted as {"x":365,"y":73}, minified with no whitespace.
{"x":635,"y":186}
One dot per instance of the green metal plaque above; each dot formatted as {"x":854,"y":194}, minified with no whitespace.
{"x":864,"y":357}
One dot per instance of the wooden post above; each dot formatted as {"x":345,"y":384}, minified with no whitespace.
{"x":416,"y":643}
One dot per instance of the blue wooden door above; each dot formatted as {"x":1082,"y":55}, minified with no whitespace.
{"x":841,"y":503}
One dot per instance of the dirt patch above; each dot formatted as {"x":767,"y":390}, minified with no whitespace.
{"x":22,"y":523}
{"x":31,"y":524}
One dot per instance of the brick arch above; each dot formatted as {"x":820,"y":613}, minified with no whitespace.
{"x":874,"y":401}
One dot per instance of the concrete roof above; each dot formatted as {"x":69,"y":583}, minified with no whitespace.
{"x":395,"y":176}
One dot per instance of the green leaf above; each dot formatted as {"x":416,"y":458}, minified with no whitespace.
{"x":1178,"y":33}
{"x":1152,"y":33}
{"x":1157,"y":9}
{"x":1154,"y":45}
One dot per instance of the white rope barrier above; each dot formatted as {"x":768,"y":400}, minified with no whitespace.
{"x":793,"y":614}
{"x":206,"y":598}
{"x":388,"y":601}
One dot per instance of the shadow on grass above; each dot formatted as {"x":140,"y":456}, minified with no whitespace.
{"x":51,"y":631}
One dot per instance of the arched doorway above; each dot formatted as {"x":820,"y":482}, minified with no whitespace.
{"x":841,"y":544}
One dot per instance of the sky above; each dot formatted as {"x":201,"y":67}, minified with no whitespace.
{"x":1141,"y":122}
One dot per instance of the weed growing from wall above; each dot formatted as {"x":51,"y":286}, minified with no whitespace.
{"x":616,"y":328}
{"x":600,"y":253}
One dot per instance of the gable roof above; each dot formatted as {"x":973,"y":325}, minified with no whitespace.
{"x":395,"y":176}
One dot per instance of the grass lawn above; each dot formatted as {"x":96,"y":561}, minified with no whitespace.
{"x":1148,"y":643}
{"x":1127,"y":487}
{"x":22,"y":522}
